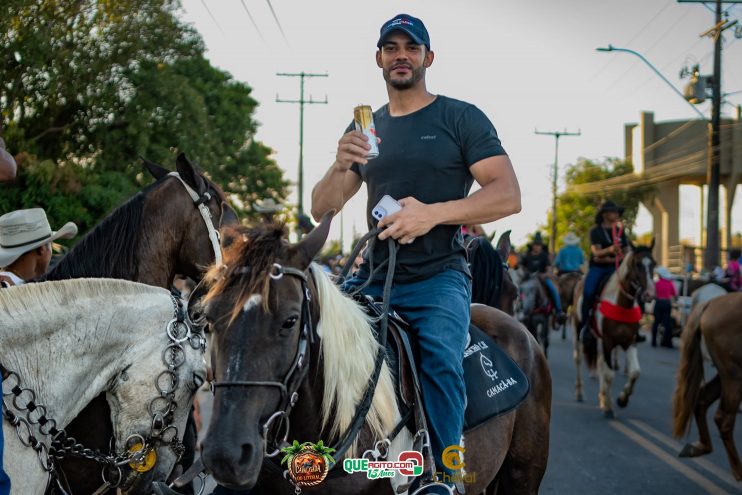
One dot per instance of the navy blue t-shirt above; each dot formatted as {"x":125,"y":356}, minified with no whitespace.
{"x":426,"y":155}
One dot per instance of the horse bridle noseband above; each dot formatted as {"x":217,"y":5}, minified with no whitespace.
{"x":200,"y":203}
{"x":290,"y":385}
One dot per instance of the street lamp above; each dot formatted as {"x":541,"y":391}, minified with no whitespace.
{"x":712,"y":211}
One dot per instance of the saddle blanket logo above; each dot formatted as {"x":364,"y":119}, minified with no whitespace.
{"x":408,"y":463}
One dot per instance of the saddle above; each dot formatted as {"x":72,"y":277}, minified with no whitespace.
{"x":495,"y":385}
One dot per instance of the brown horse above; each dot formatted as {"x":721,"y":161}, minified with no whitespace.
{"x":631,"y":282}
{"x":157,"y":233}
{"x":286,"y":344}
{"x":566,"y":283}
{"x":716,"y":322}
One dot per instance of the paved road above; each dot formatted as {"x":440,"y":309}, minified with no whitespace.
{"x":634,"y":453}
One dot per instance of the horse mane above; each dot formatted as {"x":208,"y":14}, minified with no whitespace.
{"x":349,"y":349}
{"x":109,"y":249}
{"x":487,"y":273}
{"x":251,"y":251}
{"x":41,"y":297}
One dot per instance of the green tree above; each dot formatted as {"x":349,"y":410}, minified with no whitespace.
{"x":90,"y":85}
{"x":576,"y":212}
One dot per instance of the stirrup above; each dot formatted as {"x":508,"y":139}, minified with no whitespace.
{"x":421,"y":489}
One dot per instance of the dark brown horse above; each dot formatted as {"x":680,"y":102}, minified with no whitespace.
{"x":566,"y":283}
{"x":262,"y":322}
{"x":154,"y":235}
{"x":630,"y":283}
{"x":491,"y":282}
{"x":716,"y":322}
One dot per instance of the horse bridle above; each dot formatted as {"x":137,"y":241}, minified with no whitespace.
{"x":200,"y":203}
{"x":290,"y":385}
{"x":635,"y":286}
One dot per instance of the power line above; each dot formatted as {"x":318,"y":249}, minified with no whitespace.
{"x":212,"y":16}
{"x":301,"y":101}
{"x":252,"y":20}
{"x":277,"y":22}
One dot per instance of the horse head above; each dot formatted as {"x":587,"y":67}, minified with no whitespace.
{"x":205,"y":207}
{"x":532,"y":295}
{"x":491,"y":281}
{"x":636,"y":271}
{"x":261,"y":323}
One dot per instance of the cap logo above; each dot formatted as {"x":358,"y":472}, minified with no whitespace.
{"x":402,"y":20}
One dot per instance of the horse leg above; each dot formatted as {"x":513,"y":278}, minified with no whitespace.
{"x":707,"y":395}
{"x":632,"y":363}
{"x":605,"y":375}
{"x":545,"y":335}
{"x":577,"y":356}
{"x":731,"y":395}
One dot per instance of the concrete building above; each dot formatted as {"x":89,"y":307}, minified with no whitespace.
{"x":670,"y":154}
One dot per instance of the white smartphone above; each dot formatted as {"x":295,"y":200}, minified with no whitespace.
{"x":386,"y":206}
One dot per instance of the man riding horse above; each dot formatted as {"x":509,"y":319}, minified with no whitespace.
{"x":536,"y":261}
{"x":432,"y":148}
{"x":608,"y":245}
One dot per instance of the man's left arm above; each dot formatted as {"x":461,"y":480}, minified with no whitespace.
{"x":498,"y":198}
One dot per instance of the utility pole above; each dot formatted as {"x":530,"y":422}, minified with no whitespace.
{"x":301,"y":101}
{"x":711,"y":254}
{"x":554,"y":177}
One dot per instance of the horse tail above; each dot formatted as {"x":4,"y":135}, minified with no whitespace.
{"x":690,"y":372}
{"x":591,"y":355}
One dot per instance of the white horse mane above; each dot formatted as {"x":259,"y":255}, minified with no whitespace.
{"x":41,"y":297}
{"x":349,"y":351}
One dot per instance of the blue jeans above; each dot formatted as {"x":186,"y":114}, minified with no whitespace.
{"x":595,"y":275}
{"x":554,"y":294}
{"x":438,"y":311}
{"x":4,"y":480}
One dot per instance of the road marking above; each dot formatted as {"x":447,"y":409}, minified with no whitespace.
{"x":693,"y":475}
{"x":677,"y":446}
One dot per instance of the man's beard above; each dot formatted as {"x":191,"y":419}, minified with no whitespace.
{"x":417,"y":74}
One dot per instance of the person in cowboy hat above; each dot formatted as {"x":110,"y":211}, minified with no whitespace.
{"x":665,"y":293}
{"x":536,"y":260}
{"x":267,"y":208}
{"x":26,"y":245}
{"x":608,"y":243}
{"x":570,"y":257}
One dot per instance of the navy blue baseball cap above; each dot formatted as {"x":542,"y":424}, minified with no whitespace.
{"x":411,"y":26}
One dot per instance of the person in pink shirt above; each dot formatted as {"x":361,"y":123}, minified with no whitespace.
{"x":665,"y":292}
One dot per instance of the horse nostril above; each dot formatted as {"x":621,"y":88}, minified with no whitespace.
{"x":246,"y":453}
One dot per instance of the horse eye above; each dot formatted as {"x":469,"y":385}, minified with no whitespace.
{"x":198,"y":380}
{"x":289,"y":323}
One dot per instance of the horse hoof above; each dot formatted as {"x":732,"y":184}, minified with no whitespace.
{"x":609,"y":414}
{"x":622,"y":401}
{"x":692,"y":450}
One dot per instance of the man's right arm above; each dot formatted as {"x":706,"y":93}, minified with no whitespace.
{"x":340,"y":183}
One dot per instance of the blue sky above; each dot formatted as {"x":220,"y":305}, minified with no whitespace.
{"x":527,"y":65}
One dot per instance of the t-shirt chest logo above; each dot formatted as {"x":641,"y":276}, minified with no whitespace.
{"x":428,"y":137}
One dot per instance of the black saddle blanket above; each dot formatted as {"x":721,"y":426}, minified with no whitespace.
{"x":495,"y":385}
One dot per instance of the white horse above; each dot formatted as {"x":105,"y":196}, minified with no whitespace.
{"x":69,"y":341}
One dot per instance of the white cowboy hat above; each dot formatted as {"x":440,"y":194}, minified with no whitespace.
{"x":571,"y":239}
{"x":22,"y":231}
{"x":267,"y":205}
{"x":664,"y":273}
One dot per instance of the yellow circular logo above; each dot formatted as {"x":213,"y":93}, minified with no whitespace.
{"x":453,"y":457}
{"x":149,"y":461}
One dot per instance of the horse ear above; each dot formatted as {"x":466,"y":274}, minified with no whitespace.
{"x":194,"y":301}
{"x":631,"y":245}
{"x":651,"y":245}
{"x":228,"y":216}
{"x":190,"y":174}
{"x":503,"y":245}
{"x":157,"y":171}
{"x":308,"y":248}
